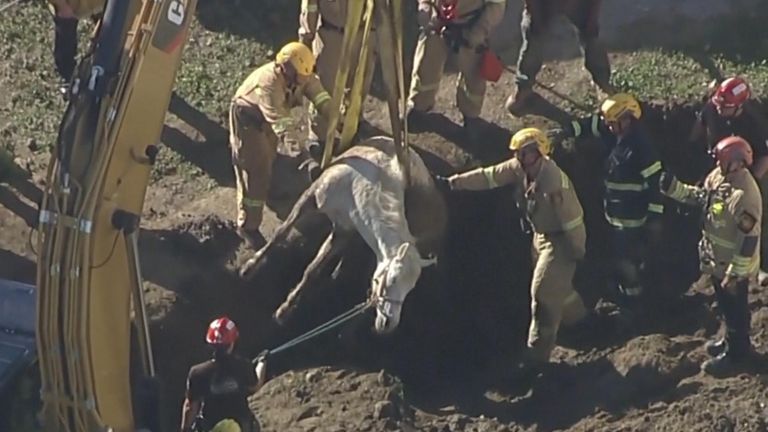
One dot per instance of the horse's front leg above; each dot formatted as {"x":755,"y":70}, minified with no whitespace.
{"x":329,"y":250}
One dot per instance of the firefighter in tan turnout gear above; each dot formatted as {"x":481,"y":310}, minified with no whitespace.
{"x":259,"y":118}
{"x":460,"y":28}
{"x":730,"y":246}
{"x":321,"y":27}
{"x":556,"y":216}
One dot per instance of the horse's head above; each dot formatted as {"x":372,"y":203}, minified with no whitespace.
{"x":393,"y":280}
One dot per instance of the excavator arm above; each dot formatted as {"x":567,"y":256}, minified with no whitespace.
{"x":90,"y":310}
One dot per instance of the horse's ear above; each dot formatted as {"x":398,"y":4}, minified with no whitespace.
{"x":428,"y":261}
{"x":402,"y":250}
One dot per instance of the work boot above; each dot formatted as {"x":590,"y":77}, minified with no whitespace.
{"x":716,"y":347}
{"x":521,"y":103}
{"x":605,"y":90}
{"x":724,"y":364}
{"x":253,"y":237}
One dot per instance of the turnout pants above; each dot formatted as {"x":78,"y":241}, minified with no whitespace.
{"x":327,"y":50}
{"x":254,"y":148}
{"x":553,"y":299}
{"x":533,"y":28}
{"x":428,"y":65}
{"x":735,"y":310}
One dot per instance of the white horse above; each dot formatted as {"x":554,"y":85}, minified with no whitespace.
{"x":364,"y":192}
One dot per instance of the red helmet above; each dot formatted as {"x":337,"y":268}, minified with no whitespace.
{"x":222,"y":331}
{"x":731,"y":93}
{"x":733,"y":148}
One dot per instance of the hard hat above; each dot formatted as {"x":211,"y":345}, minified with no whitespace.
{"x":527,"y":136}
{"x":222,"y":331}
{"x":226,"y":425}
{"x":614,"y":107}
{"x":733,"y":148}
{"x":300,"y":57}
{"x":731,"y":93}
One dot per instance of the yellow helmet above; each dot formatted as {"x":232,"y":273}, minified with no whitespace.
{"x":527,"y":136}
{"x":300,"y":57}
{"x":226,"y":425}
{"x":619,"y":104}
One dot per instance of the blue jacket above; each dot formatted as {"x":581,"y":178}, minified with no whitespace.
{"x":632,"y":171}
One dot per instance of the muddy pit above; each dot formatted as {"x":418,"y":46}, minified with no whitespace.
{"x":446,"y":365}
{"x":462,"y":325}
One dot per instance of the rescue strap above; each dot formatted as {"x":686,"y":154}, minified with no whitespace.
{"x":355,"y":311}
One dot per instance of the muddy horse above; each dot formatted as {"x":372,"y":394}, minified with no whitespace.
{"x":364,"y":192}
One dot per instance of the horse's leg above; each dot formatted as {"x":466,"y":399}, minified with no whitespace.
{"x":304,"y":213}
{"x":329,"y":250}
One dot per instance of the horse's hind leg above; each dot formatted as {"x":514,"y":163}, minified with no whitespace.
{"x":329,"y":250}
{"x":304,"y":216}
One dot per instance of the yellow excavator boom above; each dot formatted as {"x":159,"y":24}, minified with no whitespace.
{"x":90,"y":314}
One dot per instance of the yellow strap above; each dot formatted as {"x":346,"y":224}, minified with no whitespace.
{"x":651,"y":170}
{"x":656,"y":208}
{"x":352,"y":26}
{"x":355,"y":103}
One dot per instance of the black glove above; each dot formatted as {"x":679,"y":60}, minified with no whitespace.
{"x":442,"y":183}
{"x":665,"y":181}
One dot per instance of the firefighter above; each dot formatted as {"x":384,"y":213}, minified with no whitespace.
{"x":536,"y":18}
{"x":66,"y":17}
{"x":632,"y":202}
{"x":460,"y":28}
{"x":321,"y":27}
{"x":218,"y":389}
{"x":556,"y":217}
{"x":730,"y":246}
{"x":259,"y":117}
{"x":729,"y":112}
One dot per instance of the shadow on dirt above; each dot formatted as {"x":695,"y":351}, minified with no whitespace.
{"x":264,"y":21}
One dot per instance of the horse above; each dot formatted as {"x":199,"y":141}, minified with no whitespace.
{"x":364,"y":192}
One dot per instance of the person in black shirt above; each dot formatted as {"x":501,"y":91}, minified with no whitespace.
{"x":218,"y":389}
{"x":730,"y":112}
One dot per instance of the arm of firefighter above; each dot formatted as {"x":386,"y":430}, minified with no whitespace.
{"x":490,"y":17}
{"x":586,"y":127}
{"x":571,"y":216}
{"x":320,"y":98}
{"x":192,"y":404}
{"x":652,"y":175}
{"x":745,"y":261}
{"x":677,"y":190}
{"x":271,"y":101}
{"x":308,"y":18}
{"x":483,"y":178}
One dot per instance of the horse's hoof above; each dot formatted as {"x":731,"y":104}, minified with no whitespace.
{"x":248,"y":270}
{"x":282,"y":314}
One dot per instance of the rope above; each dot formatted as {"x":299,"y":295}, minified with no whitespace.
{"x":322,"y":328}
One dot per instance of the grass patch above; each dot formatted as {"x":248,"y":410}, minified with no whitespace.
{"x":674,"y":75}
